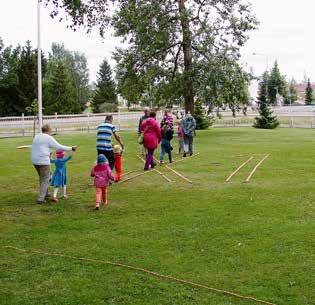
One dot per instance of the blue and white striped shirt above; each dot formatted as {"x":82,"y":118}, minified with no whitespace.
{"x":104,"y":136}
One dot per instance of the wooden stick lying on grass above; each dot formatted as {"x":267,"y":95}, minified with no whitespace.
{"x":23,"y":146}
{"x":186,"y":158}
{"x":157,"y":171}
{"x":135,"y":176}
{"x":238,"y":169}
{"x":255,"y":168}
{"x":178,"y":174}
{"x":125,"y":174}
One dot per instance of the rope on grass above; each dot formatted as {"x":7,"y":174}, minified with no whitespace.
{"x":255,"y":168}
{"x":238,"y":169}
{"x":152,"y":273}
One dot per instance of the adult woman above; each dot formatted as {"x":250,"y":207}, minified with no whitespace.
{"x":151,"y":138}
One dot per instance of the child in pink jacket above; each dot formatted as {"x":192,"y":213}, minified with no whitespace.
{"x":102,"y":177}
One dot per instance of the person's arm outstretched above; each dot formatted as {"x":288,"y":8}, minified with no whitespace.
{"x":55,"y":145}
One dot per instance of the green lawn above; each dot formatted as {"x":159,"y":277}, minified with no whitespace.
{"x":256,"y":239}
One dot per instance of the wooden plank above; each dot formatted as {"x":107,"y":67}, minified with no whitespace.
{"x":135,"y":176}
{"x":186,"y":158}
{"x":238,"y":169}
{"x":178,"y":174}
{"x":255,"y":168}
{"x":157,"y":171}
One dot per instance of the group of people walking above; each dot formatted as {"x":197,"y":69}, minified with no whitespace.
{"x":109,"y":156}
{"x":154,"y":134}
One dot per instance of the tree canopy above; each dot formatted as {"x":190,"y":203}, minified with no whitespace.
{"x":171,"y":44}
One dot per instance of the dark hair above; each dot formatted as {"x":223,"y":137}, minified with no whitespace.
{"x":109,"y":118}
{"x":152,"y":114}
{"x":46,"y":128}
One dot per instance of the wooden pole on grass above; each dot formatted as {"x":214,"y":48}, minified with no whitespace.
{"x":238,"y":169}
{"x":157,"y":171}
{"x":135,"y":176}
{"x":187,"y":158}
{"x":255,"y":168}
{"x":178,"y":174}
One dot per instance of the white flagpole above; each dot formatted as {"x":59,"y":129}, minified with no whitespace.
{"x":39,"y":70}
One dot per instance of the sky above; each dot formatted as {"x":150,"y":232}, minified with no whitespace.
{"x":285,"y":34}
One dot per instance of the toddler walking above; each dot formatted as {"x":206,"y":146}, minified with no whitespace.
{"x":118,"y":162}
{"x":59,"y":178}
{"x":102,"y":176}
{"x":167,"y":135}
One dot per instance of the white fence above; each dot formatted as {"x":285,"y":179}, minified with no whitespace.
{"x":294,"y":117}
{"x":26,"y":125}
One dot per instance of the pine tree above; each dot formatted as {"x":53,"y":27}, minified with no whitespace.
{"x":61,"y":96}
{"x":308,"y":93}
{"x":266,"y":120}
{"x":201,"y":121}
{"x":105,"y":98}
{"x":276,"y":84}
{"x":292,"y":95}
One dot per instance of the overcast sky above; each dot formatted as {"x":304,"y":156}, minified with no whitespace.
{"x":285,"y":33}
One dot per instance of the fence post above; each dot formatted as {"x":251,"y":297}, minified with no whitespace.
{"x":23,"y":127}
{"x":312,"y":119}
{"x":88,"y":122}
{"x":56,"y":118}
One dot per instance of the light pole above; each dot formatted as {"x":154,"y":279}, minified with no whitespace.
{"x":39,"y":70}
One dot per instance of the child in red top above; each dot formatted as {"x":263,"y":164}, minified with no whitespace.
{"x":118,"y":162}
{"x":102,"y":176}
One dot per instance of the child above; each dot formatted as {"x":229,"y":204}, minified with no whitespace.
{"x":102,"y":176}
{"x":167,"y":135}
{"x":59,"y":178}
{"x":180,"y":134}
{"x":167,"y":119}
{"x":118,"y":162}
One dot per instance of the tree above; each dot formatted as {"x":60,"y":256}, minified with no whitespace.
{"x":76,"y":64}
{"x":168,"y":40}
{"x":276,"y":84}
{"x":60,"y":93}
{"x":266,"y":120}
{"x":105,"y":98}
{"x":309,"y":93}
{"x":201,"y":120}
{"x":292,"y":95}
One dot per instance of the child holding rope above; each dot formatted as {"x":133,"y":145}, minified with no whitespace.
{"x":102,"y":175}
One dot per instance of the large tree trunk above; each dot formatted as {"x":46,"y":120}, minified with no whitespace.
{"x":187,"y":49}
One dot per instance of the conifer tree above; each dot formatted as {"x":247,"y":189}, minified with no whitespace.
{"x":308,"y":93}
{"x":201,"y":121}
{"x":266,"y":119}
{"x":105,"y":98}
{"x":61,"y":97}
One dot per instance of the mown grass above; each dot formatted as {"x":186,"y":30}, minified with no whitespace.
{"x":256,"y":239}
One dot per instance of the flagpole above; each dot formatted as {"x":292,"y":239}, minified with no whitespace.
{"x":39,"y":69}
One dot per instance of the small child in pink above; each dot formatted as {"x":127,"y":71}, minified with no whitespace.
{"x":102,"y":177}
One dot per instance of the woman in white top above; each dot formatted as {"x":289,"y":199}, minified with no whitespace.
{"x":42,"y":144}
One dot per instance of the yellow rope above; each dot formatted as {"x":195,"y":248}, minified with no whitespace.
{"x":168,"y":277}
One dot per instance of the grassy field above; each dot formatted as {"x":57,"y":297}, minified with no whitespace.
{"x":256,"y":239}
